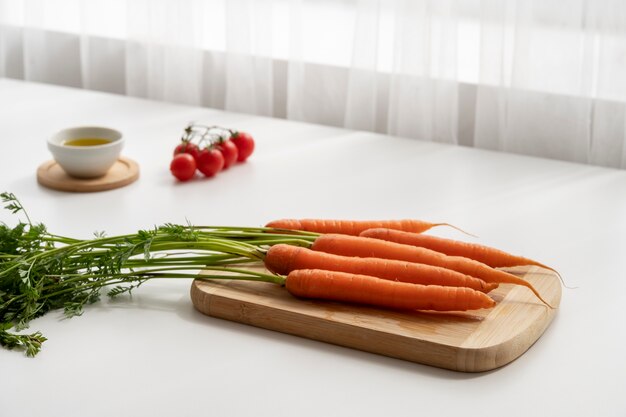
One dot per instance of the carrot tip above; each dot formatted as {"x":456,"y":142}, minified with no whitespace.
{"x":457,"y":228}
{"x":540,"y":297}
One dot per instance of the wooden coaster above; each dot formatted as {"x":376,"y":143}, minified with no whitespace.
{"x":125,"y":171}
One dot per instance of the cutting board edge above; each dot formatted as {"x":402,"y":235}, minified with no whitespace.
{"x":427,"y":352}
{"x":490,"y":357}
{"x":505,"y":351}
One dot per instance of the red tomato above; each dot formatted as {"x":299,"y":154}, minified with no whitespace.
{"x":210,"y":162}
{"x":230,"y":152}
{"x":183,"y":166}
{"x":245,"y":145}
{"x":187,"y":147}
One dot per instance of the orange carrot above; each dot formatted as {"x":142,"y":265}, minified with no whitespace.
{"x":377,"y":248}
{"x":283,"y":259}
{"x":364,"y":289}
{"x":353,"y":227}
{"x":493,"y":257}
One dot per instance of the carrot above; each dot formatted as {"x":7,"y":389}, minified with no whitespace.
{"x":283,"y":259}
{"x":353,"y":227}
{"x":364,"y":289}
{"x":493,"y":257}
{"x":369,"y":247}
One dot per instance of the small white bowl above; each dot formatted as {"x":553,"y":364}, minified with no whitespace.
{"x":86,"y":161}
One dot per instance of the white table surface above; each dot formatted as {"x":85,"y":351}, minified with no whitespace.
{"x":154,"y":355}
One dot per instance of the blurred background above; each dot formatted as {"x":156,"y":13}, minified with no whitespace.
{"x":544,"y":78}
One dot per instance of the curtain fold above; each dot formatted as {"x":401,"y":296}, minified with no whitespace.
{"x":163,"y":56}
{"x":249,"y":70}
{"x":535,"y":77}
{"x":423,"y":96}
{"x":362,"y":89}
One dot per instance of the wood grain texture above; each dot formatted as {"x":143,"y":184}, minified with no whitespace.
{"x":125,"y":171}
{"x":474,"y":341}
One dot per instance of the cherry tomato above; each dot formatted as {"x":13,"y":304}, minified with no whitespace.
{"x":245,"y":145}
{"x":230,"y":152}
{"x":183,"y":166}
{"x":210,"y":162}
{"x":187,"y":147}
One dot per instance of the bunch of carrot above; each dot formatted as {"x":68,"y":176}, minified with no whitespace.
{"x":391,"y":264}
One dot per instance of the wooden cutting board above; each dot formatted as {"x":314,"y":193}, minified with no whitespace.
{"x":465,"y":341}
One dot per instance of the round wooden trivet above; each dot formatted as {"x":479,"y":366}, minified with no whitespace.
{"x":123,"y":172}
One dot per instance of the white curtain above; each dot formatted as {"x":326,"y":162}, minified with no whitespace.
{"x":538,"y":77}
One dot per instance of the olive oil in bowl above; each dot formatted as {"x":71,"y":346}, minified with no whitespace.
{"x":86,"y":142}
{"x":86,"y":151}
